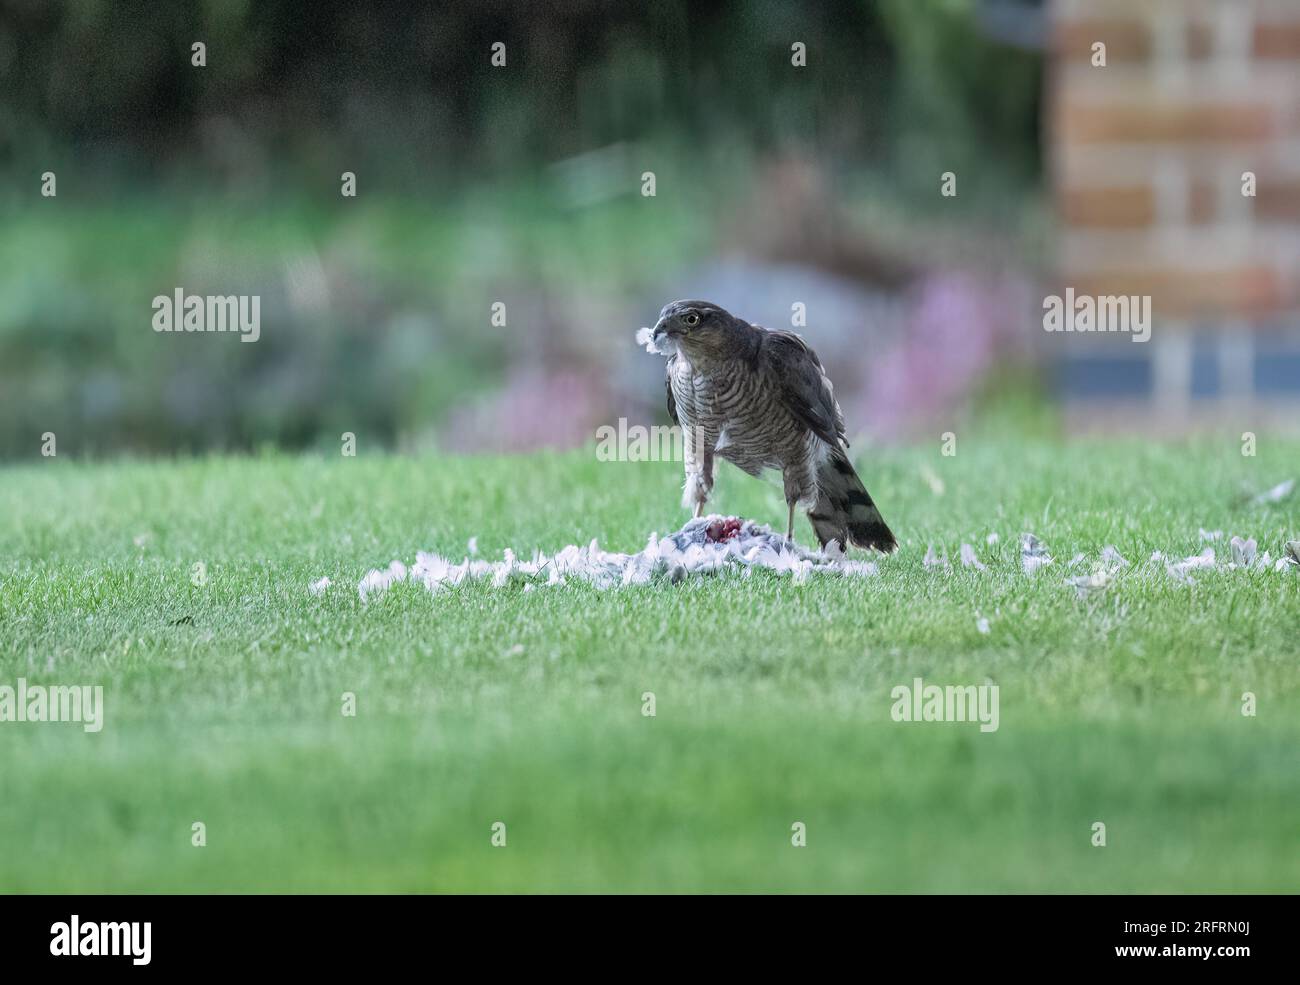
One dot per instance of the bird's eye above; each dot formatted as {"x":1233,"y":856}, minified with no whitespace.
{"x":692,"y":319}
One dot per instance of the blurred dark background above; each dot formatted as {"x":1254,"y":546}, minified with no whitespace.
{"x":776,"y":185}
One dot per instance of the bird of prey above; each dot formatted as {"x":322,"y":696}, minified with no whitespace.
{"x":760,"y":399}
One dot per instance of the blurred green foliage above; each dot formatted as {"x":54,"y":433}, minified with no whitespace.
{"x":475,"y":184}
{"x":960,"y":104}
{"x":294,"y":92}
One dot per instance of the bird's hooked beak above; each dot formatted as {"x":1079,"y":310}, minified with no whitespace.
{"x":661,"y":329}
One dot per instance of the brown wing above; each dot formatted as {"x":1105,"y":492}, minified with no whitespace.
{"x":803,"y":387}
{"x":668,"y":389}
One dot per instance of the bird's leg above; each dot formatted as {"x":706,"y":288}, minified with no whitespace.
{"x":696,"y":491}
{"x":708,"y":478}
{"x":703,"y":483}
{"x":792,"y":498}
{"x":699,"y":471}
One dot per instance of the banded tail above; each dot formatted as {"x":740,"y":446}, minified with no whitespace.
{"x":844,"y":509}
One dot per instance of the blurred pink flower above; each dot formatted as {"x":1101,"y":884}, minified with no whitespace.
{"x":533,"y":408}
{"x":957,"y":327}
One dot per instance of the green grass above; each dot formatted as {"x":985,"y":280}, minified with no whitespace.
{"x":481,"y":705}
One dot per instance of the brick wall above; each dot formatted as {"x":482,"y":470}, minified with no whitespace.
{"x":1146,"y":156}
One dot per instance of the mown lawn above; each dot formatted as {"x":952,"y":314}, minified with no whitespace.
{"x":223,"y":700}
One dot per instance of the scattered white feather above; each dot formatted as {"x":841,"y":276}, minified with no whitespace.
{"x":933,"y":560}
{"x":1243,"y":555}
{"x":862,"y":569}
{"x":1085,"y":585}
{"x":1275,"y":495}
{"x":1181,"y":570}
{"x":982,"y":625}
{"x":472,"y":545}
{"x":646,"y":337}
{"x":1210,"y":534}
{"x":991,"y":539}
{"x":969,"y":559}
{"x":1291,"y":559}
{"x":1103,"y":573}
{"x":716,"y":544}
{"x":1032,"y":563}
{"x":373,"y":582}
{"x":317,"y":587}
{"x":1243,"y":551}
{"x":705,"y":546}
{"x":378,"y":581}
{"x":932,"y":480}
{"x":1111,"y":555}
{"x":1033,"y":555}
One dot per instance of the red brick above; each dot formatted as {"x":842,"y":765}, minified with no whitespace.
{"x":1277,"y":39}
{"x":1175,"y":122}
{"x":1203,"y":205}
{"x":1130,"y":207}
{"x":1125,"y":40}
{"x":1278,"y":200}
{"x":1200,"y":40}
{"x":1185,"y":293}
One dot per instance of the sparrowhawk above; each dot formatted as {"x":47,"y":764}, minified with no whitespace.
{"x":760,"y":399}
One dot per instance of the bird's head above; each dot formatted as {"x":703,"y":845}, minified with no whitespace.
{"x":699,"y":328}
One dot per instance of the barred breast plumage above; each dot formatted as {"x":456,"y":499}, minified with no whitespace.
{"x":734,"y":408}
{"x":761,"y":400}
